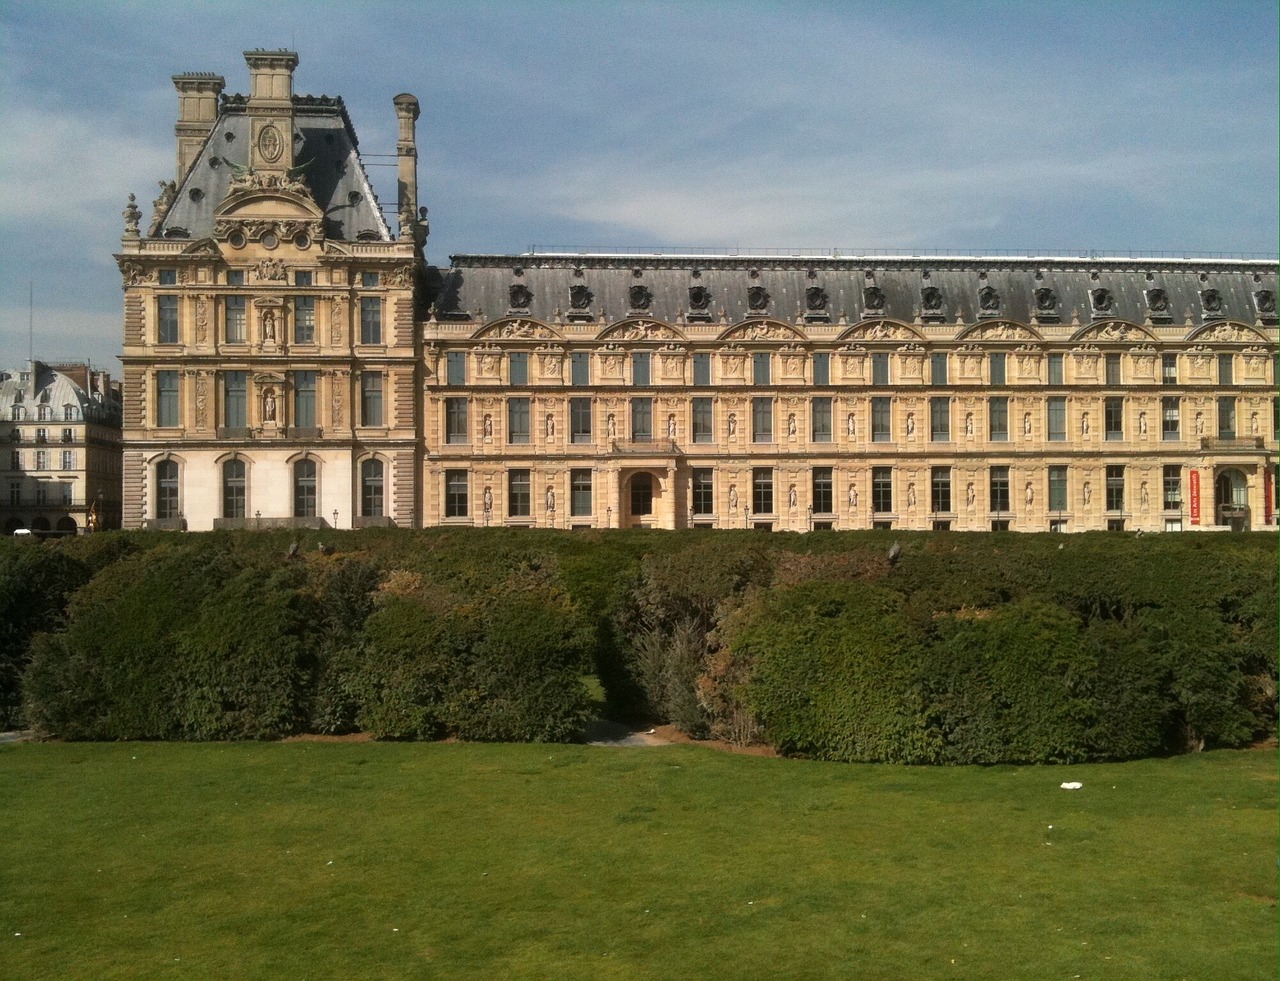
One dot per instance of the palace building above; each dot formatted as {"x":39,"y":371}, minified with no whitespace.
{"x":290,"y":361}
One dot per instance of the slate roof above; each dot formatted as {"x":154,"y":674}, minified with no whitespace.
{"x":1194,"y":291}
{"x":334,"y":171}
{"x":48,"y":386}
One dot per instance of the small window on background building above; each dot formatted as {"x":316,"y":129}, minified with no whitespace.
{"x":822,"y":368}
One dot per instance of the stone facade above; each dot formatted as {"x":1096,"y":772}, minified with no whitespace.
{"x":782,"y":393}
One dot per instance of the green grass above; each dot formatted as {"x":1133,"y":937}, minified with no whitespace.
{"x":322,"y":860}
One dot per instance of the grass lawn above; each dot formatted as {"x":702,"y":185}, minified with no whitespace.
{"x":371,"y":860}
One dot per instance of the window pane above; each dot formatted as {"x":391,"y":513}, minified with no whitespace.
{"x":702,"y":422}
{"x":370,"y":320}
{"x":166,"y":489}
{"x":1113,"y":369}
{"x":640,"y":369}
{"x":370,"y":399}
{"x":304,"y":399}
{"x":580,"y":420}
{"x":999,"y":488}
{"x":166,"y":398}
{"x":820,"y":417}
{"x":456,"y":421}
{"x":642,"y":419}
{"x":1170,"y":418}
{"x":762,"y":490}
{"x":1169,"y":369}
{"x":455,"y":368}
{"x":702,"y":369}
{"x":1057,"y":411}
{"x":518,"y":420}
{"x":882,"y":490}
{"x":762,"y":420}
{"x":235,"y":385}
{"x":1057,"y":488}
{"x":580,"y":493}
{"x":703,"y":491}
{"x":456,"y":503}
{"x":371,"y":489}
{"x":580,"y":368}
{"x":940,"y":419}
{"x":304,"y":319}
{"x":1055,"y":369}
{"x":1226,"y":369}
{"x":1113,"y":417}
{"x":760,"y":368}
{"x":1115,"y":488}
{"x":879,"y":369}
{"x":940,"y":489}
{"x":997,"y":360}
{"x":880,"y":409}
{"x":938,"y":368}
{"x":998,"y":418}
{"x":233,"y":489}
{"x":167,"y":326}
{"x":518,"y":493}
{"x":1226,"y":417}
{"x":822,"y":369}
{"x":304,"y":489}
{"x":234,"y":319}
{"x":518,"y":368}
{"x":823,"y":497}
{"x":1172,"y":496}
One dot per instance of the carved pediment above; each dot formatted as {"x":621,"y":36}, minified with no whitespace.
{"x":1228,"y":332}
{"x":518,"y":329}
{"x":1000,"y":330}
{"x":763,"y":330}
{"x":203,"y":247}
{"x":881,"y":330}
{"x":1111,"y":331}
{"x":640,"y":329}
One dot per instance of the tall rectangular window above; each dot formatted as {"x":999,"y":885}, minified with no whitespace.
{"x":455,"y":368}
{"x":760,"y":374}
{"x":762,"y":420}
{"x":233,"y":313}
{"x":999,"y":489}
{"x":456,"y":486}
{"x":997,"y":362}
{"x":580,"y":492}
{"x":519,"y":493}
{"x":518,"y":368}
{"x":703,"y":491}
{"x":455,"y":421}
{"x":820,"y":419}
{"x":166,"y":399}
{"x":1113,"y":369}
{"x":1113,"y":417}
{"x":68,"y":459}
{"x":1115,"y":488}
{"x":702,"y":420}
{"x":1172,"y":487}
{"x":1227,"y":417}
{"x":702,"y":369}
{"x":580,"y":368}
{"x":879,"y":369}
{"x":371,"y":488}
{"x":762,"y":490}
{"x":304,"y":319}
{"x":642,"y":420}
{"x":580,"y":420}
{"x":940,"y":419}
{"x":235,"y":399}
{"x":1226,"y":369}
{"x":938,"y":368}
{"x":518,"y":420}
{"x":1056,"y":376}
{"x":823,"y":499}
{"x":167,"y":320}
{"x":1057,"y":418}
{"x":304,"y":399}
{"x":304,"y":488}
{"x":371,"y":398}
{"x":1168,"y":369}
{"x":42,"y":459}
{"x":882,"y":490}
{"x":15,"y":459}
{"x":998,"y":418}
{"x":1057,"y":488}
{"x":940,"y":489}
{"x":234,"y":501}
{"x":1170,"y":418}
{"x":880,"y":420}
{"x":166,"y":489}
{"x":370,"y":320}
{"x":640,"y":362}
{"x":822,"y":368}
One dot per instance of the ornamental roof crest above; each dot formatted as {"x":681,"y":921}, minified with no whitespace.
{"x":518,"y":329}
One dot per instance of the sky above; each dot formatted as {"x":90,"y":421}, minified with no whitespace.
{"x":1064,"y":127}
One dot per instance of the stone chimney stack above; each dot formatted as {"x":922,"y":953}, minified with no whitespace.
{"x":407,"y":112}
{"x":271,"y":110}
{"x":197,"y":112}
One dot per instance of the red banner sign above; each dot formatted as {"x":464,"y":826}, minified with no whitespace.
{"x":1195,"y":497}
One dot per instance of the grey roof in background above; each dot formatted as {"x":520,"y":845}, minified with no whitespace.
{"x":47,"y":386}
{"x":479,"y":285}
{"x":334,"y":173}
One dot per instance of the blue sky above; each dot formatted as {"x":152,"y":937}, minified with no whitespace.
{"x":1060,"y":127}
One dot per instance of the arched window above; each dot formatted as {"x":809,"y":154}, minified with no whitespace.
{"x":371,"y":489}
{"x":167,"y":489}
{"x":233,"y":489}
{"x":304,"y":489}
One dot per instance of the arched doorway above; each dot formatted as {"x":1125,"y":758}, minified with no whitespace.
{"x":641,"y":498}
{"x":12,"y":525}
{"x":66,"y":526}
{"x":40,"y":526}
{"x":1231,"y":500}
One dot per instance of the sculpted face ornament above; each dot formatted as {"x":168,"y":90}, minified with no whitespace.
{"x":931,"y":298}
{"x":873,"y":298}
{"x":1102,"y":299}
{"x":699,"y":298}
{"x":1046,"y":300}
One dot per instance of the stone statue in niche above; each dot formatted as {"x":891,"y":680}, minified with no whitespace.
{"x":1084,"y":423}
{"x":488,"y":426}
{"x":487,"y":499}
{"x":791,"y":424}
{"x":1144,"y":496}
{"x":269,"y":405}
{"x":1031,"y":494}
{"x":911,"y":423}
{"x":268,"y":325}
{"x":791,"y":497}
{"x":550,"y":426}
{"x":1199,"y":423}
{"x":1026,"y":424}
{"x":1253,"y":424}
{"x":911,"y":495}
{"x":551,"y":500}
{"x":612,"y":425}
{"x":1142,"y":424}
{"x":968,"y":423}
{"x":1088,"y":492}
{"x":848,"y":425}
{"x":671,"y":426}
{"x":853,"y":497}
{"x":733,"y":497}
{"x":733,"y":424}
{"x":969,"y":495}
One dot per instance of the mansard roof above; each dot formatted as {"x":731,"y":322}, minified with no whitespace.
{"x":724,"y":290}
{"x":328,"y":161}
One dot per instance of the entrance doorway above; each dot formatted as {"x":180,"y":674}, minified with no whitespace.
{"x":1231,"y":500}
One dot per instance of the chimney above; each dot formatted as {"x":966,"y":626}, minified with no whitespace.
{"x":407,"y":159}
{"x":271,"y":109}
{"x":197,"y":112}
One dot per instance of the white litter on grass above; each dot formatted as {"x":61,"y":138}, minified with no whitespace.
{"x":1073,"y":785}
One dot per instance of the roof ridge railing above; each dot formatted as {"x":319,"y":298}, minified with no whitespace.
{"x":901,"y":253}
